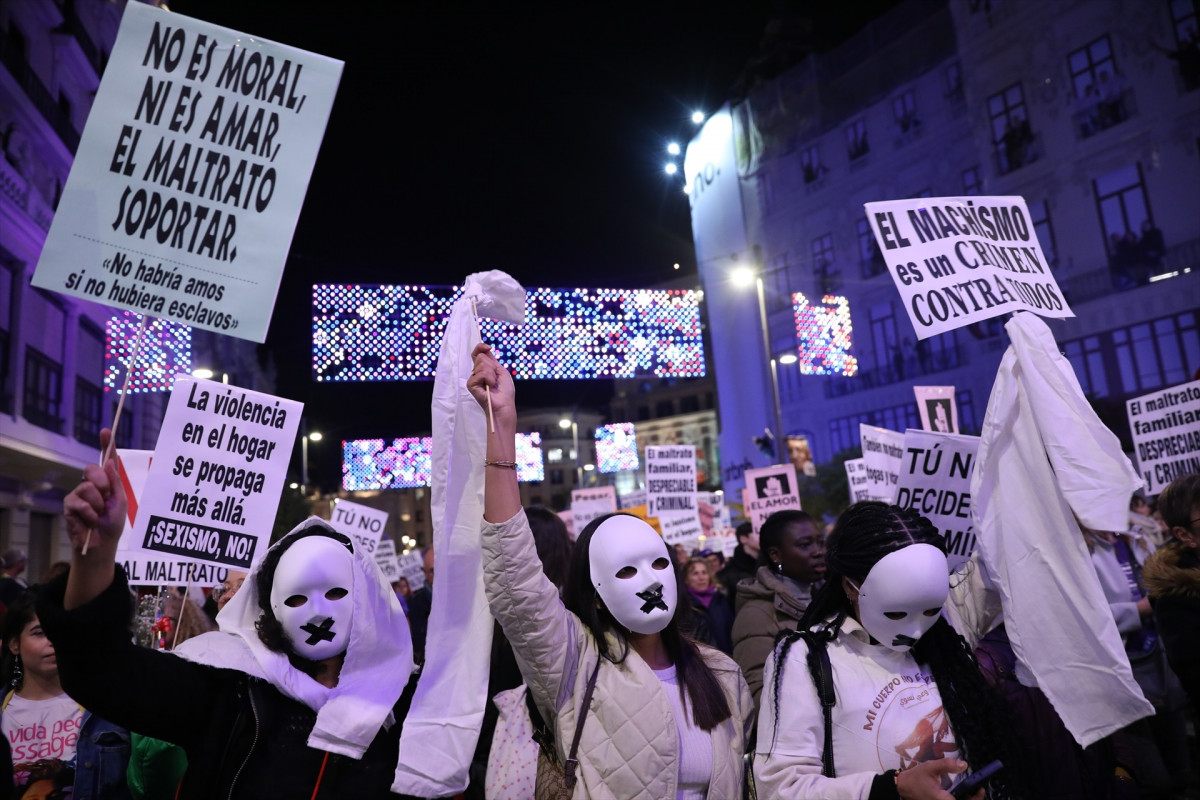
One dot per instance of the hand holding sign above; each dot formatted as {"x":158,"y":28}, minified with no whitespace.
{"x":95,"y":511}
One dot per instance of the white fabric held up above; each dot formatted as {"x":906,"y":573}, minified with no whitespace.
{"x":1045,"y":459}
{"x":443,"y":724}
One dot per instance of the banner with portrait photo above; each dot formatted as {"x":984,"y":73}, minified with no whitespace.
{"x":771,"y":489}
{"x":938,"y":408}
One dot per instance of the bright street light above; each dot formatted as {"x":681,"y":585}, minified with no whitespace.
{"x":673,"y":149}
{"x":564,"y":423}
{"x":316,"y":436}
{"x":698,"y":117}
{"x":293,"y":485}
{"x":742,"y":277}
{"x":788,"y":358}
{"x":204,"y":373}
{"x":588,"y":467}
{"x":670,"y":168}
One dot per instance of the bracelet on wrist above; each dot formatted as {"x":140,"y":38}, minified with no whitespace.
{"x":497,"y":463}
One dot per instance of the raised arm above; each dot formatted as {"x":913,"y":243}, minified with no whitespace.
{"x":95,"y":512}
{"x":490,"y":382}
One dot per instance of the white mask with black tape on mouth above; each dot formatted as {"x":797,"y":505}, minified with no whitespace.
{"x":312,"y":596}
{"x":631,"y":570}
{"x":903,"y":594}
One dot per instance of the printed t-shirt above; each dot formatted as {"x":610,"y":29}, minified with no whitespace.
{"x":43,"y":735}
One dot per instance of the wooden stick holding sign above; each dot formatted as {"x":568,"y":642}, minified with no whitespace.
{"x":486,"y":389}
{"x":106,"y":454}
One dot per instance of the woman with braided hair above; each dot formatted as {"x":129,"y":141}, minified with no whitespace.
{"x":910,"y":707}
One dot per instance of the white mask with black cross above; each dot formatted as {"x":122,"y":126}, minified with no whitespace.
{"x":312,"y":596}
{"x":631,"y":570}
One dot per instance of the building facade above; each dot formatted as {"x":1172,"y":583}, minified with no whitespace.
{"x":53,"y":396}
{"x":1082,"y":108}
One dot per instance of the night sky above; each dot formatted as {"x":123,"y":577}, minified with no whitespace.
{"x":524,"y":137}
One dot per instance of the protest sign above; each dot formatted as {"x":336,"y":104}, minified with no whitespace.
{"x":147,"y":568}
{"x":385,"y":557}
{"x":363,"y":524}
{"x":671,"y":479}
{"x":856,"y":478}
{"x":190,"y":174}
{"x":883,"y":451}
{"x":410,"y":565}
{"x":720,"y":512}
{"x":1166,"y":433}
{"x":636,"y":497}
{"x":218,"y":471}
{"x":961,"y":260}
{"x":771,"y":489}
{"x":682,"y":529}
{"x":569,"y":520}
{"x":938,"y":409}
{"x":587,"y":504}
{"x":935,"y":481}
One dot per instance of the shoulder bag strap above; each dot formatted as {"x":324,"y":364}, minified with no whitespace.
{"x":572,"y":763}
{"x":822,"y":675}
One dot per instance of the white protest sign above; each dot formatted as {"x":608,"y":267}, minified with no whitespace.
{"x":410,"y":565}
{"x":632,"y":499}
{"x":147,"y":568}
{"x":856,"y":479}
{"x":1166,"y":433}
{"x":218,"y":473}
{"x":883,"y":451}
{"x":385,"y":557}
{"x":961,"y":260}
{"x":190,"y":174}
{"x":938,"y":409}
{"x":363,"y":524}
{"x":771,"y":489}
{"x":587,"y":504}
{"x":720,"y":510}
{"x":670,"y":479}
{"x":682,"y":529}
{"x":935,"y":481}
{"x":569,"y":520}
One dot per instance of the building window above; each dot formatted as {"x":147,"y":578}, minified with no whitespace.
{"x":664,"y":408}
{"x":1155,"y":354}
{"x":1123,"y":207}
{"x":43,"y":391}
{"x":953,"y":81}
{"x":870,"y":259}
{"x":1039,"y":213}
{"x":810,"y":164}
{"x":1183,"y":17}
{"x":556,"y":477}
{"x":7,"y":284}
{"x":1087,"y":359}
{"x":883,"y":338}
{"x":972,"y":183}
{"x":689,"y":404}
{"x":829,"y":277}
{"x":775,"y":285}
{"x":554,"y":455}
{"x":126,"y":427}
{"x":643,"y":413}
{"x":1187,"y":42}
{"x":904,"y":111}
{"x":1011,"y":131}
{"x":1100,"y":98}
{"x":856,"y":140}
{"x":88,"y":403}
{"x":966,"y":413}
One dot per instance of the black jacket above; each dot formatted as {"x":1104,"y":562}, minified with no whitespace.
{"x":741,"y":566}
{"x":1172,"y":576}
{"x":243,"y":738}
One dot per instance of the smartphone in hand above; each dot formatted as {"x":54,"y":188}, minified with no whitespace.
{"x":966,"y":785}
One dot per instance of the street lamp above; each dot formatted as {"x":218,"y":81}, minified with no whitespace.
{"x":571,"y":423}
{"x":204,"y":373}
{"x":742,"y":277}
{"x":315,"y":436}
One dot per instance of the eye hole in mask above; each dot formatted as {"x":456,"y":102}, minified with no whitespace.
{"x":295,"y":601}
{"x":661,"y":563}
{"x":336,"y":593}
{"x":933,"y":612}
{"x":895,"y":614}
{"x":625,"y":573}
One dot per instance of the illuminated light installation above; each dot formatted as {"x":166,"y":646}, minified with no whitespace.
{"x":616,"y":447}
{"x":165,"y":352}
{"x":394,"y":332}
{"x":372,"y":464}
{"x":824,"y":334}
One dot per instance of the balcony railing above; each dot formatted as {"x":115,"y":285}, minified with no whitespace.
{"x":912,"y":366}
{"x":1104,"y":281}
{"x":1100,"y":115}
{"x":38,"y":94}
{"x":1017,"y":151}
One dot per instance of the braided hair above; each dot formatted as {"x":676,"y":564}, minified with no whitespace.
{"x":864,"y":534}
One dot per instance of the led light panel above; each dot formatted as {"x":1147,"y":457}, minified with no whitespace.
{"x":616,"y":447}
{"x":824,"y":334}
{"x":369,"y":464}
{"x":166,"y":351}
{"x":529,"y":457}
{"x":394,"y":332}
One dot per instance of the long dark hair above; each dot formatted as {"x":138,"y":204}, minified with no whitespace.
{"x":19,"y":614}
{"x":552,"y":541}
{"x":697,"y":682}
{"x":772,"y":530}
{"x":270,"y":630}
{"x":864,"y":534}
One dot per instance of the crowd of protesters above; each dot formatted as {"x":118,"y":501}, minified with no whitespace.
{"x":632,"y":669}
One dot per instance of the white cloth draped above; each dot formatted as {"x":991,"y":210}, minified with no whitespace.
{"x":1044,"y":460}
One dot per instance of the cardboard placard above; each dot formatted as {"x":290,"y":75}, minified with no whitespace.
{"x":219,"y":467}
{"x":771,"y":489}
{"x":681,"y":529}
{"x":671,"y":479}
{"x":410,"y":565}
{"x":385,"y":557}
{"x":961,"y":260}
{"x":935,"y":480}
{"x":190,"y":174}
{"x":856,"y":478}
{"x":1166,"y":434}
{"x":587,"y":504}
{"x":363,"y":524}
{"x":938,"y":408}
{"x":883,"y":452}
{"x":637,"y":497}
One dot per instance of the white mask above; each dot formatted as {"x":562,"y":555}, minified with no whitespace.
{"x":312,"y":596}
{"x":632,"y":571}
{"x":910,"y":585}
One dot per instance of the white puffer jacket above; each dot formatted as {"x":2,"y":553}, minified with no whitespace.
{"x":630,"y":744}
